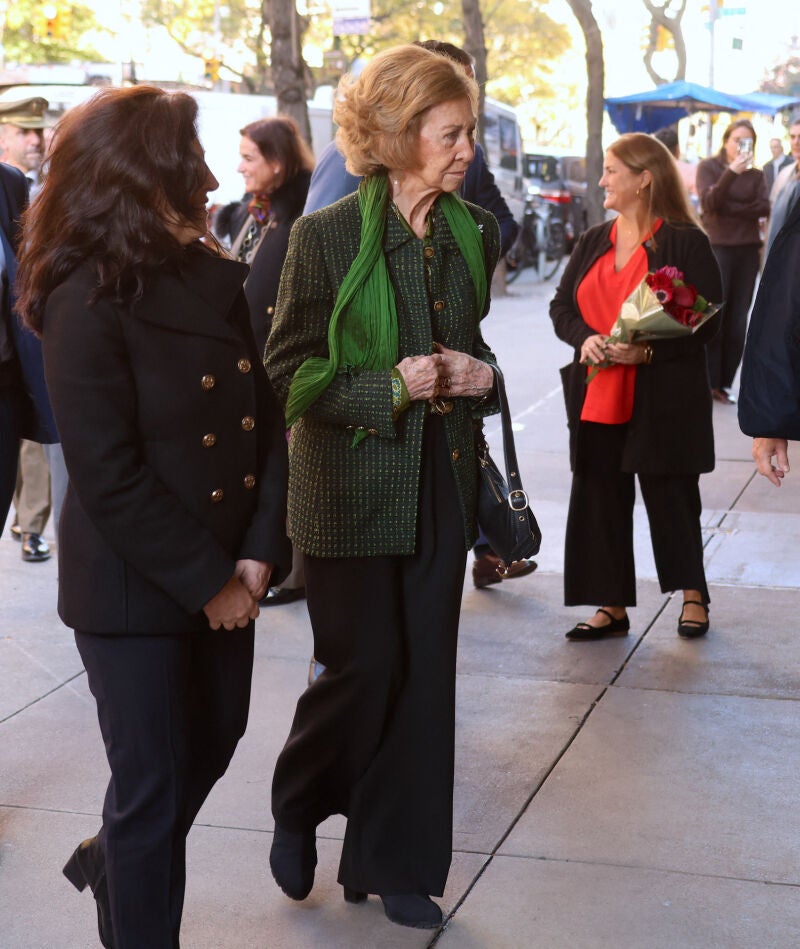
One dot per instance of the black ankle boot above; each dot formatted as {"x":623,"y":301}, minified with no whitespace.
{"x":87,"y":865}
{"x":411,"y":909}
{"x":293,"y":859}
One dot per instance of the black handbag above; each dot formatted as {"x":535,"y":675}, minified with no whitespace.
{"x":504,"y":512}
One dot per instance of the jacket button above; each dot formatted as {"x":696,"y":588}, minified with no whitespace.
{"x":439,"y":305}
{"x":209,"y":440}
{"x":429,"y":252}
{"x":217,"y":495}
{"x":456,"y":454}
{"x":243,"y":365}
{"x":373,"y":431}
{"x":208,"y":382}
{"x":249,"y":481}
{"x":248,"y":423}
{"x":270,"y":310}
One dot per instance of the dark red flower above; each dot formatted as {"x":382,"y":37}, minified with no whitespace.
{"x":684,"y":295}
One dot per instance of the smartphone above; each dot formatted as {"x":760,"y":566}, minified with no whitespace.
{"x":746,"y":146}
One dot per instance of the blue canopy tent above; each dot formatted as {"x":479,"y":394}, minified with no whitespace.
{"x":652,"y":110}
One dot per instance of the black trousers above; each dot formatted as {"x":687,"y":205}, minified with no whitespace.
{"x":598,"y":555}
{"x":172,"y":710}
{"x":373,"y":737}
{"x":11,"y":409}
{"x":739,"y":269}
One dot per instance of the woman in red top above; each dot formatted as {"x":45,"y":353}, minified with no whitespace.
{"x":649,"y":412}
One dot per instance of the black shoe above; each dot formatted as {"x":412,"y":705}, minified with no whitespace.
{"x":293,"y":859}
{"x":16,"y":532}
{"x":277,"y":595}
{"x":87,"y":866}
{"x":692,"y":628}
{"x":410,"y":909}
{"x":583,"y":632}
{"x":34,"y":548}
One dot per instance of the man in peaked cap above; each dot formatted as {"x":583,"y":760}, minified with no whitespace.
{"x":22,"y":125}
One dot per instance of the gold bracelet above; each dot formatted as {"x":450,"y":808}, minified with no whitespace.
{"x":648,"y":355}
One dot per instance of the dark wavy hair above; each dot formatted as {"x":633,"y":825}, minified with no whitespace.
{"x":278,"y":139}
{"x":120,"y":164}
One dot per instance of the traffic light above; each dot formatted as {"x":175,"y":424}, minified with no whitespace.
{"x":211,"y":66}
{"x":53,"y":27}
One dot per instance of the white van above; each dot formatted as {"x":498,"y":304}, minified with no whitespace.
{"x":504,"y":153}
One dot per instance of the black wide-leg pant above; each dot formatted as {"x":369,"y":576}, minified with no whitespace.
{"x":373,"y":737}
{"x":172,"y":710}
{"x":598,"y":554}
{"x":738,"y":266}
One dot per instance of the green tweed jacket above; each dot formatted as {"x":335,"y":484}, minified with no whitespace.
{"x":361,"y":502}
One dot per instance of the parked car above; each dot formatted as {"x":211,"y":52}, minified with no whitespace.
{"x":560,"y":180}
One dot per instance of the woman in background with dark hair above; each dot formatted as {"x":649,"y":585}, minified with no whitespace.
{"x":175,"y":448}
{"x":733,"y":197}
{"x":276,"y":164}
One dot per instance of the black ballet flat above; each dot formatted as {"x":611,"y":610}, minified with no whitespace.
{"x":354,"y":896}
{"x":583,"y":632}
{"x":85,"y":867}
{"x":293,"y":860}
{"x":412,"y":909}
{"x":692,"y":628}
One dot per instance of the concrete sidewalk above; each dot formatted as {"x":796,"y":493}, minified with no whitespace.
{"x":635,"y":793}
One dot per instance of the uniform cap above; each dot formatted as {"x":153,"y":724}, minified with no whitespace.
{"x":25,"y":113}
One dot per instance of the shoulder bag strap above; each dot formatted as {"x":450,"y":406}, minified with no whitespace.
{"x":517,"y":498}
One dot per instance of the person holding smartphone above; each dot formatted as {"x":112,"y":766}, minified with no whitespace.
{"x":733,"y":196}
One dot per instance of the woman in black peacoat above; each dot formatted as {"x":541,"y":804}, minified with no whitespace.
{"x":174,"y":516}
{"x":657,"y":424}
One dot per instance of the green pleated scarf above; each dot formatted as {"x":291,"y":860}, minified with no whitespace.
{"x":362,"y":333}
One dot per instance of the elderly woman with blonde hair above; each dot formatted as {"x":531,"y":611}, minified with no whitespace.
{"x":377,"y":354}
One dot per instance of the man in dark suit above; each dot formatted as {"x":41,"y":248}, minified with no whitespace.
{"x":777,"y":163}
{"x":24,"y":407}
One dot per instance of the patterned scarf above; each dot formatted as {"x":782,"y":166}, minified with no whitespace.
{"x":258,"y":208}
{"x":362,"y":332}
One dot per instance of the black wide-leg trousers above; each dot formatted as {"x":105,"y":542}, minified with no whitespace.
{"x":739,"y":268}
{"x":172,"y":710}
{"x":373,"y":737}
{"x":598,"y":554}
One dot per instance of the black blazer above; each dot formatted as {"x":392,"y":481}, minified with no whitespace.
{"x":769,"y":395}
{"x":38,"y":423}
{"x":261,"y":287}
{"x":771,"y":173}
{"x":670,"y":431}
{"x":174,"y":444}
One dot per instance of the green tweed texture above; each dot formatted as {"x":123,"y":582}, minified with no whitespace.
{"x":363,"y":502}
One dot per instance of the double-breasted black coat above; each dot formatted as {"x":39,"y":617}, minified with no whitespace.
{"x":174,"y":443}
{"x":670,"y":431}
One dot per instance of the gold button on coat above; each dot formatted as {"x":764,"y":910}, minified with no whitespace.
{"x":217,"y":495}
{"x":439,"y":305}
{"x":270,"y":310}
{"x":244,"y":365}
{"x":456,"y":454}
{"x":208,"y":382}
{"x":209,"y":440}
{"x":248,"y":423}
{"x":249,"y":481}
{"x":429,"y":252}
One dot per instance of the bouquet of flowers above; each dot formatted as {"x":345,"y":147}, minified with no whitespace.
{"x":663,"y":306}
